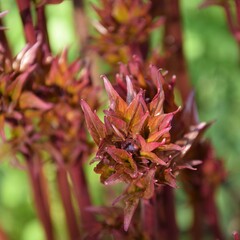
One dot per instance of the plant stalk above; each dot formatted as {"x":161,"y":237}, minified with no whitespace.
{"x":80,"y":188}
{"x":42,"y":26}
{"x":65,"y":192}
{"x":39,"y":191}
{"x":173,"y":45}
{"x":25,"y":13}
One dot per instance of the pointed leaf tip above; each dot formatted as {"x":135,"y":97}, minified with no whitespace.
{"x":131,"y":205}
{"x":94,"y":124}
{"x":130,"y":90}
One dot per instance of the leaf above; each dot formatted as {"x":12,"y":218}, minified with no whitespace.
{"x":170,"y":147}
{"x":149,"y":184}
{"x":120,"y":11}
{"x":123,"y":157}
{"x":118,"y":123}
{"x":170,"y":178}
{"x":129,"y":209}
{"x":30,"y":100}
{"x":15,"y":88}
{"x":157,"y":77}
{"x":148,"y":146}
{"x":156,"y":105}
{"x":130,"y":91}
{"x":95,"y":126}
{"x":157,"y":135}
{"x":114,"y":178}
{"x":153,"y":158}
{"x":136,"y":110}
{"x":138,"y":126}
{"x":29,"y":56}
{"x":116,"y":102}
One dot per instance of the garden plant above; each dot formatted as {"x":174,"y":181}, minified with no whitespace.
{"x":125,"y":105}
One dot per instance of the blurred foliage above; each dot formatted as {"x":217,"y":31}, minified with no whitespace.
{"x":214,"y":66}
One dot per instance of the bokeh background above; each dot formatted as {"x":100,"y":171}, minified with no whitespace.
{"x":214,"y":66}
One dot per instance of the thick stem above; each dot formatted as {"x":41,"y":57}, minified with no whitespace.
{"x":213,"y":219}
{"x":149,"y":226}
{"x":40,"y":197}
{"x":173,"y":44}
{"x":229,"y":17}
{"x":170,"y":215}
{"x":42,"y":26}
{"x":25,"y":13}
{"x":167,"y":226}
{"x":82,"y":195}
{"x":197,"y":226}
{"x":64,"y":189}
{"x":81,"y":23}
{"x":237,"y":3}
{"x":4,"y":43}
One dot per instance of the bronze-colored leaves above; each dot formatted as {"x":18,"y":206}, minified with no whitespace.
{"x":134,"y":143}
{"x":95,"y":126}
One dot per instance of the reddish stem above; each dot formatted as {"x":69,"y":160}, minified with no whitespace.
{"x":4,"y":43}
{"x":25,"y":13}
{"x":236,"y":236}
{"x":40,"y":197}
{"x":65,"y":192}
{"x":80,"y":188}
{"x":169,"y":209}
{"x":149,"y":224}
{"x":229,"y":17}
{"x":42,"y":26}
{"x":167,"y":225}
{"x":3,"y":235}
{"x":175,"y":61}
{"x":237,"y":3}
{"x":213,"y":219}
{"x":197,"y":225}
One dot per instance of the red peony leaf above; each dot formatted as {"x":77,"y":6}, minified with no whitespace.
{"x":123,"y":157}
{"x":136,"y":110}
{"x":148,"y":146}
{"x":157,"y":135}
{"x":156,"y":105}
{"x":161,"y":121}
{"x":170,"y":147}
{"x":149,"y":184}
{"x":30,"y":100}
{"x":169,"y":178}
{"x":153,"y":158}
{"x":116,"y":102}
{"x":15,"y":88}
{"x":157,"y":77}
{"x":95,"y":126}
{"x":131,"y":94}
{"x":138,"y":126}
{"x":118,"y":123}
{"x":130,"y":206}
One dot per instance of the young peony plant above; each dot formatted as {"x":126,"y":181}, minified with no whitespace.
{"x":134,"y":143}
